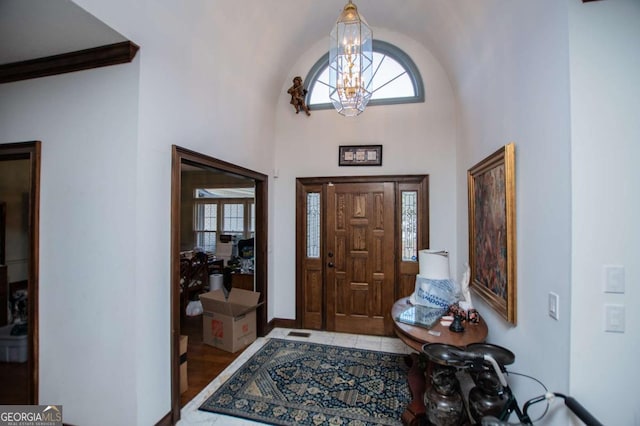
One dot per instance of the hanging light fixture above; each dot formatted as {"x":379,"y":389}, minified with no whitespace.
{"x":350,"y":62}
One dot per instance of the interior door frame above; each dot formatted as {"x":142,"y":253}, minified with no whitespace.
{"x":31,"y":151}
{"x":419,"y":182}
{"x":180,"y":155}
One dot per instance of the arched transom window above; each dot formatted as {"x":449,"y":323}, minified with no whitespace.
{"x":396,"y":79}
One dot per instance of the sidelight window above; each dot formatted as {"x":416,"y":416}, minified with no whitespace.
{"x":313,"y":225}
{"x":409,"y":225}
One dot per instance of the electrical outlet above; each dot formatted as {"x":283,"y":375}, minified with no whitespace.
{"x":554,"y":301}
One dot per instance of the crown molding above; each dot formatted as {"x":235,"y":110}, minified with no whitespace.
{"x":102,"y":56}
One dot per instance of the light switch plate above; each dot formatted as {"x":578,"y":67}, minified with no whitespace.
{"x":614,"y":318}
{"x":613,"y":276}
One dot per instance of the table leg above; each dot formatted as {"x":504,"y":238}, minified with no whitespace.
{"x":415,"y":413}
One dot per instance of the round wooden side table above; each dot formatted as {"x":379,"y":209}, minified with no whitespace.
{"x":416,"y":337}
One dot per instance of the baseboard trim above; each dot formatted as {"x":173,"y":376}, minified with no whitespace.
{"x":285,"y":323}
{"x":165,"y":421}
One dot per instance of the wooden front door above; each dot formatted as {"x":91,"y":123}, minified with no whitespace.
{"x":356,"y":249}
{"x":360,"y":257}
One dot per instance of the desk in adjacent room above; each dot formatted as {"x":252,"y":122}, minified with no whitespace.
{"x":242,"y":280}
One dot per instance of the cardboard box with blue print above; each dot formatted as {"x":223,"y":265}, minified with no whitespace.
{"x":229,"y":323}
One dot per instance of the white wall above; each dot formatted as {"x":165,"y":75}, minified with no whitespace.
{"x":416,"y":138}
{"x":87,"y":124}
{"x":605,"y":153}
{"x":199,"y":89}
{"x":511,"y":77}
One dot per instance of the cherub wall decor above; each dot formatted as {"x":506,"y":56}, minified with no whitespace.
{"x":298,"y":92}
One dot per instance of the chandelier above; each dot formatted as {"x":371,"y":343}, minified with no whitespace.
{"x":350,"y":62}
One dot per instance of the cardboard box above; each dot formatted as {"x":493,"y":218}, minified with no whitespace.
{"x":229,"y":324}
{"x":184,"y":382}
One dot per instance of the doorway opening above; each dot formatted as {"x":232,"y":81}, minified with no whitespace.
{"x":218,"y":213}
{"x":357,"y":242}
{"x":19,"y":236}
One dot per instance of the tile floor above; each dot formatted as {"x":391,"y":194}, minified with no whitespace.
{"x":190,"y":416}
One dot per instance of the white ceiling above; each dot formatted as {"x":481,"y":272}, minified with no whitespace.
{"x":32,"y":29}
{"x":36,"y":28}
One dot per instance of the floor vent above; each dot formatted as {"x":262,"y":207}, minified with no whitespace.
{"x":299,"y":334}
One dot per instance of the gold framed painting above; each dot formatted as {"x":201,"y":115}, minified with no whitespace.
{"x":492,"y":231}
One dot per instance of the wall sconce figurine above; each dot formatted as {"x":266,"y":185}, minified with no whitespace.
{"x":298,"y":92}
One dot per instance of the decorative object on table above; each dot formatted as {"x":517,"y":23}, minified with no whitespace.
{"x":473,"y":317}
{"x":456,"y":326}
{"x":465,"y":295}
{"x":492,"y":231}
{"x":360,"y":155}
{"x":350,"y":62}
{"x":298,"y":92}
{"x":290,"y":383}
{"x":434,"y":287}
{"x":456,"y":310}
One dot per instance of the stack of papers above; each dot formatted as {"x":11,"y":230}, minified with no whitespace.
{"x":422,"y":316}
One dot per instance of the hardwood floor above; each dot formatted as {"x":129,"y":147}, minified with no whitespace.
{"x":204,"y":362}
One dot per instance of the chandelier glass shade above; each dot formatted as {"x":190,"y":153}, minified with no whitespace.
{"x":350,"y":62}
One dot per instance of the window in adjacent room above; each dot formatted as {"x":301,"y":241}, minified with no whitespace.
{"x":233,"y":219}
{"x":206,"y":225}
{"x":229,"y":211}
{"x":396,"y":79}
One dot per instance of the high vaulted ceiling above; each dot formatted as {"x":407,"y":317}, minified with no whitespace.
{"x":35,"y":28}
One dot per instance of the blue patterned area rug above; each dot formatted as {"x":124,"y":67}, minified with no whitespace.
{"x":296,"y":383}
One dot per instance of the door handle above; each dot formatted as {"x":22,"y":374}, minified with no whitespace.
{"x":330,"y":264}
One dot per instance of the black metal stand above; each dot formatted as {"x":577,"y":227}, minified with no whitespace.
{"x":511,"y":406}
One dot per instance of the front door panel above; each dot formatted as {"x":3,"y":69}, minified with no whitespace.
{"x":360,"y":257}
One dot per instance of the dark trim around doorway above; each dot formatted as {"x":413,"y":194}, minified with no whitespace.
{"x":421,"y":182}
{"x":185,"y":156}
{"x":31,"y":152}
